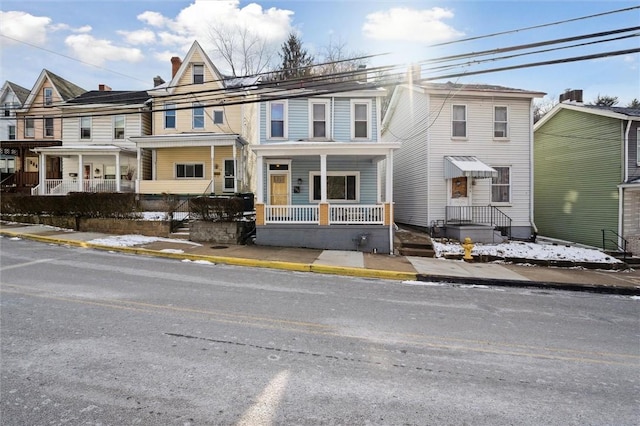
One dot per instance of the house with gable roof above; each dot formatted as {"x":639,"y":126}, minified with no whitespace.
{"x":587,"y":174}
{"x":321,"y":179}
{"x":13,"y":164}
{"x":465,"y":166}
{"x":96,"y":153}
{"x":39,"y":124}
{"x":196,"y":146}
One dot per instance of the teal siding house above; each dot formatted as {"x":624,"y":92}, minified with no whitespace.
{"x":322,"y":172}
{"x":587,"y":175}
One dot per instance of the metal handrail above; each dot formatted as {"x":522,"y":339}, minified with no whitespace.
{"x":620,"y":239}
{"x":480,"y":215}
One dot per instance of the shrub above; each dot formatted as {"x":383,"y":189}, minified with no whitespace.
{"x":217,"y":209}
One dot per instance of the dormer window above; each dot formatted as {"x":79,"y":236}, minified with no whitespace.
{"x":48,"y":96}
{"x":198,"y":74}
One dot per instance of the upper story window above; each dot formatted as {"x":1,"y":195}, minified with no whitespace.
{"x":218,"y":116}
{"x":198,"y":116}
{"x":118,"y":127}
{"x":85,"y":127}
{"x":7,"y":110}
{"x":277,"y":120}
{"x":169,"y":115}
{"x":12,"y":132}
{"x":319,"y":119}
{"x":500,"y":122}
{"x":48,"y":127}
{"x":48,"y":96}
{"x":501,"y":186}
{"x":29,"y":128}
{"x":459,"y":121}
{"x":361,"y":119}
{"x":198,"y":73}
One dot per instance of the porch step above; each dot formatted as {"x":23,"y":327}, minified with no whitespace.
{"x":413,"y":251}
{"x":410,"y":242}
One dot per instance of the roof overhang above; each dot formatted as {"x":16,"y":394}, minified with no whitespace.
{"x":467,"y":166}
{"x":296,"y":149}
{"x":184,"y":140}
{"x":84,"y":150}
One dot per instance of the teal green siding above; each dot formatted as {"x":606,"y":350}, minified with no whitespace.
{"x":577,"y":167}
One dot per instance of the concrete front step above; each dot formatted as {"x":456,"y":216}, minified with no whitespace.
{"x":414,"y":251}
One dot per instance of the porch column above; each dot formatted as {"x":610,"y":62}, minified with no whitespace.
{"x":323,"y":178}
{"x":235,"y":171}
{"x":323,"y":205}
{"x":138,"y":168}
{"x":389,"y":199}
{"x":117,"y":172}
{"x":42,"y":173}
{"x":260,"y":180}
{"x":80,"y":174}
{"x":213,"y":168}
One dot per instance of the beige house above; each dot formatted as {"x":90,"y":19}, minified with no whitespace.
{"x":196,"y":146}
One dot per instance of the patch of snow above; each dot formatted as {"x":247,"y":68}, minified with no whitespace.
{"x":425,"y":283}
{"x":528,"y":250}
{"x":177,"y":251}
{"x":134,"y":240}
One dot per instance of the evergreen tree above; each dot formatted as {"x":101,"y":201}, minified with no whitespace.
{"x":296,"y":61}
{"x":607,"y":101}
{"x":635,"y":103}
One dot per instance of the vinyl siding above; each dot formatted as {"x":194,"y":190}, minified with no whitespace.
{"x":422,"y":122}
{"x":578,"y":166}
{"x":37,"y":109}
{"x":167,"y":159}
{"x":102,"y":131}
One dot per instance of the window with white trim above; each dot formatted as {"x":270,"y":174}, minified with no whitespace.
{"x":277,"y":120}
{"x":7,"y":109}
{"x":29,"y":128}
{"x":190,"y":171}
{"x":169,"y":115}
{"x":459,"y":121}
{"x":85,"y":127}
{"x":12,"y":132}
{"x":341,"y":186}
{"x":501,"y":185}
{"x":198,"y":115}
{"x":360,"y":119}
{"x":118,"y":127}
{"x":229,"y":174}
{"x":500,"y":122}
{"x":48,"y":127}
{"x":8,"y":165}
{"x":218,"y":116}
{"x":319,"y":119}
{"x":198,"y":73}
{"x":48,"y":96}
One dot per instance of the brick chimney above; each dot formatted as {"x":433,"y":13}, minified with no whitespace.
{"x":175,"y":65}
{"x":572,"y":96}
{"x":104,"y":88}
{"x":157,"y":81}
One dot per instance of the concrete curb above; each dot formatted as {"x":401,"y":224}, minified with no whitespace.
{"x":237,"y":261}
{"x":602,"y":289}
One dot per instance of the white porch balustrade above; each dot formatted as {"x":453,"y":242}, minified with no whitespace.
{"x":291,"y":214}
{"x":356,"y":213}
{"x":64,"y":186}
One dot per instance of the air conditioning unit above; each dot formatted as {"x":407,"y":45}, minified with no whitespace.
{"x":499,"y":134}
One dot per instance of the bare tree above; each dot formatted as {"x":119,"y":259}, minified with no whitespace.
{"x":245,"y":52}
{"x":543,"y":106}
{"x":335,"y":58}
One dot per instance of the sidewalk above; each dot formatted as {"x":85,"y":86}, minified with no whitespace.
{"x":406,"y":268}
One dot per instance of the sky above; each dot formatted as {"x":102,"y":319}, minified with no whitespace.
{"x":126,"y":43}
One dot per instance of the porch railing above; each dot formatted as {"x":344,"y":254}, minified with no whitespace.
{"x":356,"y":214}
{"x":479,"y":215}
{"x":291,"y":214}
{"x":64,"y":186}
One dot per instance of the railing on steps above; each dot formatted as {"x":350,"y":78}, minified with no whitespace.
{"x":619,"y":243}
{"x":180,"y":215}
{"x":479,"y":215}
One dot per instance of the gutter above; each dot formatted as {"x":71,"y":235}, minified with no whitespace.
{"x":531,"y":172}
{"x":625,"y":175}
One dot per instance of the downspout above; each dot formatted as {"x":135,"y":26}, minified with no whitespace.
{"x":625,"y":174}
{"x":531,"y":177}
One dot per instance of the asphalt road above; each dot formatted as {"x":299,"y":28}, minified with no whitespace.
{"x":90,"y":337}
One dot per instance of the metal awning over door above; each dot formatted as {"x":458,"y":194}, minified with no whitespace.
{"x":467,"y":166}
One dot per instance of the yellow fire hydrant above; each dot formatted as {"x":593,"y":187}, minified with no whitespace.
{"x":467,"y":245}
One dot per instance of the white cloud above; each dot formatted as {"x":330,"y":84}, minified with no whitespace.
{"x":139,"y":36}
{"x":154,"y":19}
{"x":404,"y":24}
{"x":23,"y":27}
{"x":95,"y":51}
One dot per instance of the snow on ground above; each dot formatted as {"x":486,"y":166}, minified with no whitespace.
{"x":528,"y":250}
{"x":134,"y":240}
